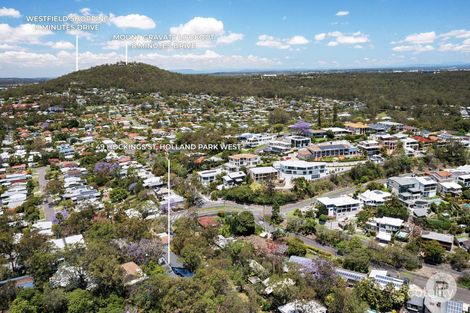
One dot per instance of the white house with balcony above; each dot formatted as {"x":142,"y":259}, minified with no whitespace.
{"x":464,"y":180}
{"x":427,"y":186}
{"x":374,"y":197}
{"x":233,"y":179}
{"x":291,"y":169}
{"x":449,"y":187}
{"x":207,"y":177}
{"x":237,"y":161}
{"x":341,"y":206}
{"x":389,"y":225}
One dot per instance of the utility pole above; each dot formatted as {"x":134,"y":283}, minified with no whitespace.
{"x":76,"y":52}
{"x":168,"y":212}
{"x":126,"y":52}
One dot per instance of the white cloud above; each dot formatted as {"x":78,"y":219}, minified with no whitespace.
{"x":198,"y":26}
{"x":413,"y":48}
{"x":28,"y":59}
{"x":24,"y":33}
{"x":421,"y":38}
{"x":339,"y":38}
{"x":85,"y":11}
{"x":132,"y":21}
{"x":230,"y":38}
{"x":61,"y":45}
{"x":5,"y":46}
{"x":464,"y":47}
{"x":10,"y":12}
{"x":342,"y":13}
{"x":298,"y":40}
{"x":207,"y":26}
{"x":457,"y":40}
{"x":319,"y":37}
{"x":456,"y":33}
{"x":278,"y":43}
{"x":350,"y":40}
{"x":271,"y":42}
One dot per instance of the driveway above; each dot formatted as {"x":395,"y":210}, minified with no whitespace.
{"x":48,"y":209}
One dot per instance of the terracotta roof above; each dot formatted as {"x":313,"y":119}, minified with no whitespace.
{"x":131,"y":268}
{"x":356,"y":125}
{"x":207,"y":221}
{"x":243,"y":155}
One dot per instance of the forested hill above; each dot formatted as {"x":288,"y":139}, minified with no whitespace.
{"x":396,"y":91}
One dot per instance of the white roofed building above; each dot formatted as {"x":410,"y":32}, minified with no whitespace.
{"x":374,"y":197}
{"x":341,"y":206}
{"x":291,"y":169}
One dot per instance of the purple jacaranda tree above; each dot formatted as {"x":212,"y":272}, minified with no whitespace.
{"x":106,"y":168}
{"x":144,"y":250}
{"x":60,"y":216}
{"x":301,"y":127}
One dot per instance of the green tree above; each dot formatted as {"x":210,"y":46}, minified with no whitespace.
{"x":276,"y":217}
{"x":243,"y":224}
{"x":118,"y":194}
{"x":81,"y":301}
{"x":434,"y":253}
{"x":192,"y":257}
{"x":296,"y":247}
{"x":41,"y":266}
{"x":393,"y":208}
{"x":22,"y":306}
{"x":55,"y":301}
{"x":358,"y":260}
{"x":459,"y":259}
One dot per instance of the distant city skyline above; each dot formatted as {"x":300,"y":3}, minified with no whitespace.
{"x":244,"y":35}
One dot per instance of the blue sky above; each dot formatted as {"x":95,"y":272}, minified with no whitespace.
{"x":246,"y":34}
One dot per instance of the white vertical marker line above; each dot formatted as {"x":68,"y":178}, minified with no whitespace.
{"x":76,"y":52}
{"x":126,"y":52}
{"x":168,"y":213}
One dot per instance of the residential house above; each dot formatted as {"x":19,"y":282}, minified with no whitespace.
{"x":207,"y":177}
{"x":385,"y":224}
{"x":391,"y":126}
{"x":449,"y":187}
{"x":133,"y":274}
{"x":298,"y":141}
{"x":341,"y":149}
{"x":445,"y":240}
{"x":337,"y":131}
{"x":369,"y":147}
{"x":358,"y":128}
{"x":291,"y":169}
{"x":374,"y":197}
{"x":340,"y":206}
{"x":263,"y":174}
{"x":233,"y":179}
{"x":464,"y":180}
{"x":279,"y":146}
{"x":427,"y":186}
{"x":246,"y":160}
